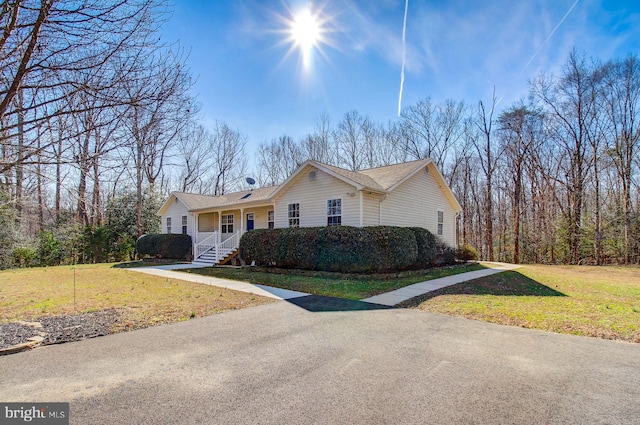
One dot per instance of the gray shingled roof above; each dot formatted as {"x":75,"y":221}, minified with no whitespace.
{"x":357,"y":177}
{"x":379,"y":179}
{"x":390,"y":175}
{"x":199,"y":202}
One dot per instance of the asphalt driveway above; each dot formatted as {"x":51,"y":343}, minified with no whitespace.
{"x":297,"y":363}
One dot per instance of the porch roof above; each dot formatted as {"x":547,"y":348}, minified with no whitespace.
{"x":204,"y":202}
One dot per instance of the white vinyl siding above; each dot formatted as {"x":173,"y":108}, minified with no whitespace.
{"x":176,"y":211}
{"x":371,"y":209}
{"x":312,"y":195}
{"x":415,"y":203}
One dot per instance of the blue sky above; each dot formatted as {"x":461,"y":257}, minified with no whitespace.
{"x":250,"y":76}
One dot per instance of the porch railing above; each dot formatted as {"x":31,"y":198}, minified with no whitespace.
{"x":230,"y":243}
{"x":217,"y":247}
{"x":207,"y":244}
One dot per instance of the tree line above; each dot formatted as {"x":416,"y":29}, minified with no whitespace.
{"x":98,"y":126}
{"x":552,"y":178}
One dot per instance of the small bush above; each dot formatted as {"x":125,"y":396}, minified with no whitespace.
{"x":50,"y":251}
{"x":445,"y":255}
{"x":170,"y":246}
{"x":24,"y":256}
{"x":467,"y":253}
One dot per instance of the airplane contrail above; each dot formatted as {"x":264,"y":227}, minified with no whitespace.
{"x":549,"y":36}
{"x":404,"y":55}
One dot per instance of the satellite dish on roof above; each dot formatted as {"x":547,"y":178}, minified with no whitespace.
{"x":251,"y":181}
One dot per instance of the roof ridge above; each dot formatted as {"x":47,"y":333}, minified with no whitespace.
{"x":224,"y":194}
{"x":397,"y":163}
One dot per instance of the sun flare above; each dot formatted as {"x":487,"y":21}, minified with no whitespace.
{"x":306,"y":34}
{"x":305,"y":30}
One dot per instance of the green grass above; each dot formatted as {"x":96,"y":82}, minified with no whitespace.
{"x":144,"y":300}
{"x":592,"y":301}
{"x":349,"y":286}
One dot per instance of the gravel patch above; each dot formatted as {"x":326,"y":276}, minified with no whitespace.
{"x":16,"y":333}
{"x":59,"y":329}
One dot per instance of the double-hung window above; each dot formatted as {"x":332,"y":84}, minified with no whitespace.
{"x":440,"y":223}
{"x":184,"y":224}
{"x":227,"y":223}
{"x":294,"y":215}
{"x":168,"y":224}
{"x":270,"y":219}
{"x":334,"y":212}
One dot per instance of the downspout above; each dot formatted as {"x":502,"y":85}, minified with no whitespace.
{"x":458,"y":215}
{"x":361,"y":209}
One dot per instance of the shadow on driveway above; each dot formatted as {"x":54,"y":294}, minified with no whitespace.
{"x":508,"y":283}
{"x":318,"y":303}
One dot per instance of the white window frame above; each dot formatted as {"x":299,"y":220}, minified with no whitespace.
{"x":227,"y":223}
{"x":440,"y":223}
{"x":184,"y":224}
{"x":334,"y":212}
{"x":293,"y":213}
{"x":169,"y":225}
{"x":271,"y":219}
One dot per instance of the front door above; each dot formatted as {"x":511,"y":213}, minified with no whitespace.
{"x":249,"y":221}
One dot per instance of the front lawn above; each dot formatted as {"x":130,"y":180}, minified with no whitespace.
{"x":349,"y":286}
{"x":143,"y":300}
{"x":582,"y":300}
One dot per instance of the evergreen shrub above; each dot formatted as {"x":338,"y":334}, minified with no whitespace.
{"x":427,"y":247}
{"x":169,"y":246}
{"x":341,"y":249}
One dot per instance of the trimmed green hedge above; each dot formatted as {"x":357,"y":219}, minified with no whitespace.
{"x":427,"y":247}
{"x":171,"y":246}
{"x":341,"y":249}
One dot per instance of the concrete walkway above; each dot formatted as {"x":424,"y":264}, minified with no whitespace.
{"x":388,"y":299}
{"x":399,"y":295}
{"x":173,"y":273}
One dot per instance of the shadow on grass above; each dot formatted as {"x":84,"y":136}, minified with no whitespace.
{"x":319,"y":303}
{"x":509,"y":283}
{"x":145,"y":263}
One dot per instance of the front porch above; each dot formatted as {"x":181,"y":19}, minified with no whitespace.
{"x":218,"y":232}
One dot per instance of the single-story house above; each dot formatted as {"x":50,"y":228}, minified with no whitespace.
{"x":410,"y":194}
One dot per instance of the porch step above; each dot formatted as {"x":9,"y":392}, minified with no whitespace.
{"x":228,"y":257}
{"x":211,"y":258}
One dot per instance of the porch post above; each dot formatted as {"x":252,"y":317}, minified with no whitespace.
{"x":196,"y":217}
{"x":219,"y":227}
{"x":194,"y":248}
{"x":241,"y":220}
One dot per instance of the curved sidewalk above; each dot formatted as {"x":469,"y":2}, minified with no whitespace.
{"x":399,"y":295}
{"x":390,"y":298}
